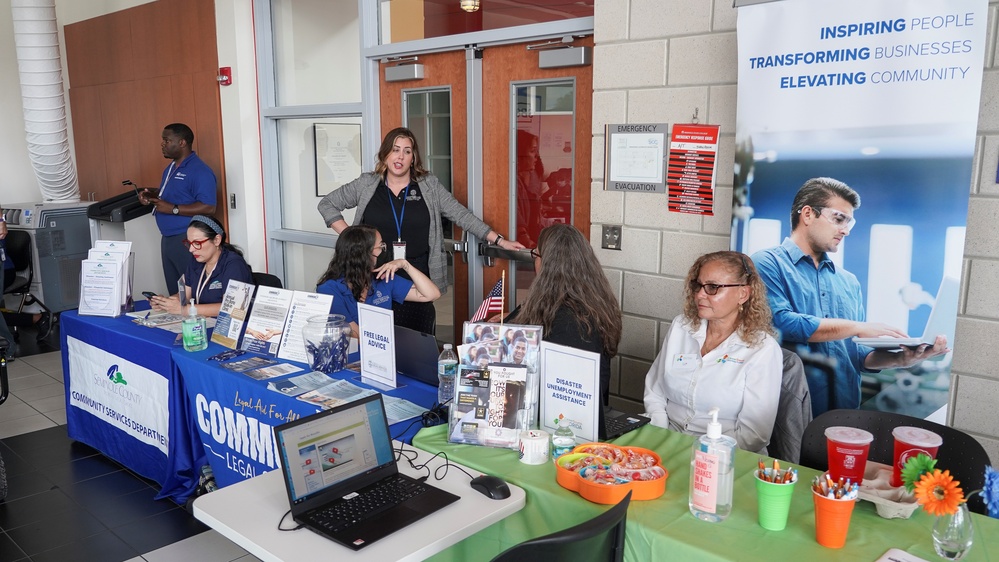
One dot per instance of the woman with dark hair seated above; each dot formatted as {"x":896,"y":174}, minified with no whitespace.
{"x":719,"y":353}
{"x":214,"y":262}
{"x":352,"y":276}
{"x":572,"y":299}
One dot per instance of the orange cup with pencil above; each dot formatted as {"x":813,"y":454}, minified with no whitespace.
{"x":834,"y":503}
{"x":774,"y":489}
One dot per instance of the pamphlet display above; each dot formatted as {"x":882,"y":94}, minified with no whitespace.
{"x":106,"y":280}
{"x":232,"y":316}
{"x":266,"y":323}
{"x":496,"y":391}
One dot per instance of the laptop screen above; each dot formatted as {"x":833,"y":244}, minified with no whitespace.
{"x":332,"y":446}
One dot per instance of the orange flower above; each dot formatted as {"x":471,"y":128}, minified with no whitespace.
{"x":938,"y":493}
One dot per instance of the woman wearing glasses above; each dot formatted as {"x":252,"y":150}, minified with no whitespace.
{"x":214,"y":262}
{"x":571,"y":298}
{"x":719,"y":353}
{"x":352,"y":276}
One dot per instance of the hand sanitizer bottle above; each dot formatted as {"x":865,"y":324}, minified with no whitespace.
{"x":195,"y":330}
{"x":712,"y":473}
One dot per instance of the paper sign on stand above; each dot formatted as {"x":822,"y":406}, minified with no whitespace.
{"x":266,"y":324}
{"x":570,"y":387}
{"x":377,"y":340}
{"x":303,"y":306}
{"x":232,"y":314}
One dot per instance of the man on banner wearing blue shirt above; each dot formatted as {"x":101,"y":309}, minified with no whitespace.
{"x":819,"y":306}
{"x":186,"y":189}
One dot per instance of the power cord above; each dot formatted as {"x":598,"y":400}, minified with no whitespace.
{"x":436,"y":415}
{"x":439,"y":473}
{"x":280,"y":528}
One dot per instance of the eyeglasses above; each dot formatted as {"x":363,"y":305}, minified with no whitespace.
{"x":196,"y":243}
{"x":380,"y":247}
{"x":535,"y":253}
{"x":711,"y":288}
{"x":837,"y":218}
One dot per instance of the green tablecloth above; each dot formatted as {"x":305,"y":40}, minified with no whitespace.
{"x":664,"y":528}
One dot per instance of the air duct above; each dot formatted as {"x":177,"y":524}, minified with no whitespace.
{"x":36,"y":43}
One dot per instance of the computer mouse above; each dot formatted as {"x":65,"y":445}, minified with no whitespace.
{"x":492,"y":487}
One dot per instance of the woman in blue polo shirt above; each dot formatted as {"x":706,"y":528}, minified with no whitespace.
{"x":214,"y":262}
{"x":352,"y":276}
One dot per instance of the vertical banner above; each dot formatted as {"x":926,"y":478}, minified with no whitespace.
{"x":884,"y":97}
{"x":691,"y":171}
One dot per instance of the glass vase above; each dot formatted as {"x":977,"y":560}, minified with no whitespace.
{"x":327,"y":338}
{"x":953,"y":534}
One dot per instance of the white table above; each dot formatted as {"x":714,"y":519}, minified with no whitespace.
{"x":247,"y":513}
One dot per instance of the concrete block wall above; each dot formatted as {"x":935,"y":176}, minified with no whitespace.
{"x":657,"y":61}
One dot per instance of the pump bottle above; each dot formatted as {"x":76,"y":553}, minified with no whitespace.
{"x":712,"y":473}
{"x":195,"y":330}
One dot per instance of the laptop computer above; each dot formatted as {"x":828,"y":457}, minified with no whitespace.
{"x":416,"y":355}
{"x":342,"y":479}
{"x":941,"y":321}
{"x":615,"y":423}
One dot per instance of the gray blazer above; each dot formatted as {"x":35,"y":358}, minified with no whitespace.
{"x":439,"y":202}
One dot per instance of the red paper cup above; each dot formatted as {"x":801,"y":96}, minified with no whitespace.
{"x":909,"y":442}
{"x":847,"y":449}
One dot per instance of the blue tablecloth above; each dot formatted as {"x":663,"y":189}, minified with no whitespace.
{"x":124,"y":399}
{"x":233,"y":415}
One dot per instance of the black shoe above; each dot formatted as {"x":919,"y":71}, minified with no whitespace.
{"x":44,"y":326}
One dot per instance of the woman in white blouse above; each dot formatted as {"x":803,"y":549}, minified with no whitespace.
{"x":719,"y":353}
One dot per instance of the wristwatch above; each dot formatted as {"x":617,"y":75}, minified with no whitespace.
{"x":176,"y":209}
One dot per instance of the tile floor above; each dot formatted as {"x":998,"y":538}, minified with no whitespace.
{"x":68,"y":502}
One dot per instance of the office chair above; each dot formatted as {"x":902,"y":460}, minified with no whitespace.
{"x":960,"y":453}
{"x":18,"y":244}
{"x":266,"y":280}
{"x":600,"y":538}
{"x":794,"y":410}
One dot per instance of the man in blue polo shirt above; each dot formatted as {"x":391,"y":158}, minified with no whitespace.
{"x":819,"y":306}
{"x":187,"y":189}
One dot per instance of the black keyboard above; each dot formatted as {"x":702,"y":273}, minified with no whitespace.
{"x":380,"y":497}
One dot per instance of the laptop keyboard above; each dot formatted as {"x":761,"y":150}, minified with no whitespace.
{"x":384,"y":495}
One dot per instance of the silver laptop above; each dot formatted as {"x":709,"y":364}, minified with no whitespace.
{"x":941,"y":321}
{"x":416,"y":355}
{"x":342,"y":478}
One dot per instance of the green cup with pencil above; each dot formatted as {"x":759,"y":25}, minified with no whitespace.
{"x":774,"y":487}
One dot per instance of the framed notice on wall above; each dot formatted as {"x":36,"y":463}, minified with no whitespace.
{"x":636,"y":157}
{"x":338,"y":155}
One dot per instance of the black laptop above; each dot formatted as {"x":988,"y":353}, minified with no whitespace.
{"x":416,"y":355}
{"x":342,"y":478}
{"x":615,"y":423}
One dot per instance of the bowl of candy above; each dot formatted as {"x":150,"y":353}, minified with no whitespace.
{"x":629,"y":468}
{"x":568,"y":467}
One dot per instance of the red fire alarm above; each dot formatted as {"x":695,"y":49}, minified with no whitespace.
{"x":225,"y":76}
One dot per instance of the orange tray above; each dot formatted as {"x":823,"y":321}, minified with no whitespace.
{"x":609,"y":493}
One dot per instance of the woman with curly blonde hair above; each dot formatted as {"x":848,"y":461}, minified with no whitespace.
{"x":720,"y":352}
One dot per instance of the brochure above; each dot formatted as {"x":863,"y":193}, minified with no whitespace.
{"x":271,"y":371}
{"x":335,"y":393}
{"x":467,"y":421}
{"x":506,"y":415}
{"x":244,"y":365}
{"x":303,"y":306}
{"x":300,"y":384}
{"x":232,"y":316}
{"x":266,"y":323}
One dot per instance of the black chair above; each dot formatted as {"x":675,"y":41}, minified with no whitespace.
{"x":960,"y":453}
{"x":266,"y":280}
{"x":794,"y":411}
{"x":18,"y":246}
{"x":599,"y":539}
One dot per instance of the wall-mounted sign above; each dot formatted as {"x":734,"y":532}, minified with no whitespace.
{"x":691,"y":171}
{"x":636,"y":157}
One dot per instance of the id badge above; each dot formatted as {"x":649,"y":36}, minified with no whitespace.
{"x":398,"y":250}
{"x":684,"y":361}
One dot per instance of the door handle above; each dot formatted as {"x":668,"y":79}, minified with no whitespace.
{"x":490,"y":252}
{"x":452,"y":246}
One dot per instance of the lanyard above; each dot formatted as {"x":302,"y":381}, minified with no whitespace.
{"x":398,"y":216}
{"x":166,"y":180}
{"x":202,"y":281}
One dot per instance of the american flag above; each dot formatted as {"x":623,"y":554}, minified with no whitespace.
{"x":493,"y":303}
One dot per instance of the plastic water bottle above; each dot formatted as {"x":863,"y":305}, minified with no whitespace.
{"x":564,"y":440}
{"x":447,"y":369}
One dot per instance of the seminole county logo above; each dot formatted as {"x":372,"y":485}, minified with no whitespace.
{"x":114,"y":375}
